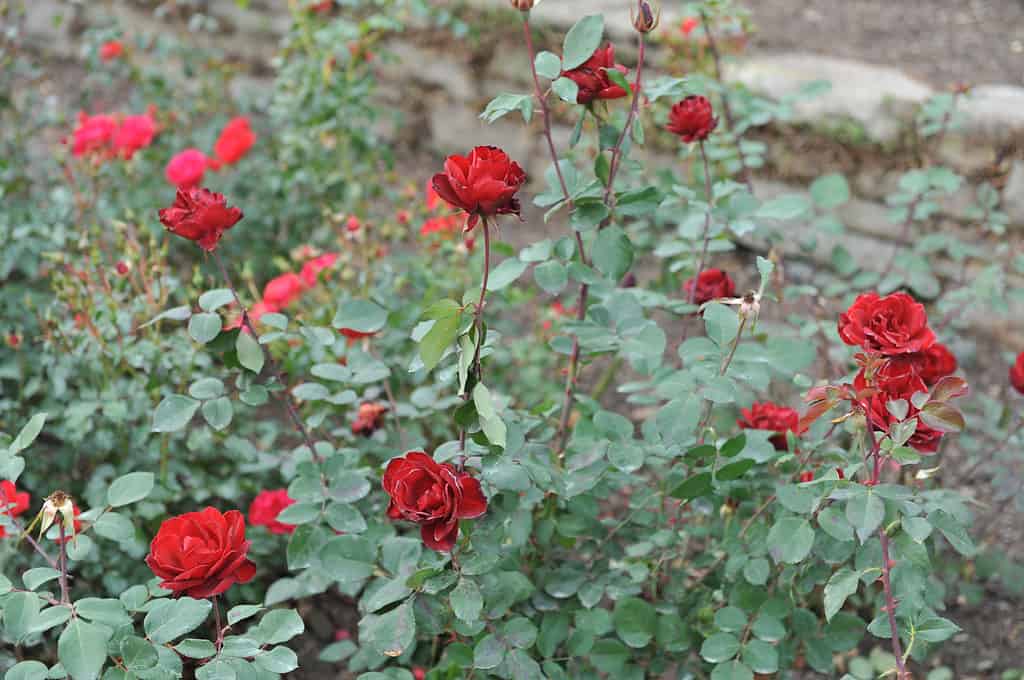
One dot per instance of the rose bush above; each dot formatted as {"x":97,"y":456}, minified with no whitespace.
{"x":482,"y":422}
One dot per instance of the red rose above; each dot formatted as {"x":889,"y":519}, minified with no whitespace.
{"x":267,"y":506}
{"x":419,"y":673}
{"x":12,"y":502}
{"x":934,"y":364}
{"x":692,"y":119}
{"x":1017,"y":374}
{"x":890,"y":325}
{"x":368,"y":418}
{"x":769,"y":416}
{"x":200,"y":215}
{"x":134,"y":133}
{"x":111,"y":50}
{"x":432,"y":495}
{"x":712,"y":284}
{"x":311,"y":270}
{"x":123,"y":267}
{"x":433,"y":200}
{"x":446,"y":224}
{"x":186,"y":169}
{"x":689,"y":23}
{"x":592,"y":76}
{"x":234,"y":141}
{"x":283,"y":290}
{"x":807,"y":476}
{"x":483,"y":184}
{"x":93,"y":134}
{"x":897,"y":377}
{"x":201,"y":554}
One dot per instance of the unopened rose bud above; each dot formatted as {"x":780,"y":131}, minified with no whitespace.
{"x":13,"y":340}
{"x":522,"y":5}
{"x":646,"y":19}
{"x":123,"y":267}
{"x":628,"y":281}
{"x":353,"y":225}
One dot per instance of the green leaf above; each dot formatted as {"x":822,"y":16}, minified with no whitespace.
{"x":613,"y":252}
{"x":936,"y":629}
{"x":138,"y":654}
{"x":361,"y":315}
{"x":33,"y":578}
{"x":242,"y":612}
{"x":214,"y":299}
{"x":106,"y":610}
{"x":505,"y":273}
{"x":768,"y":628}
{"x":170,"y":619}
{"x":466,"y":600}
{"x":840,"y":586}
{"x":844,"y":631}
{"x":865,"y":511}
{"x":520,"y":632}
{"x":566,"y":89}
{"x":548,"y":65}
{"x":204,"y":327}
{"x":552,"y":276}
{"x":130,"y":488}
{"x":720,"y":647}
{"x":792,"y":537}
{"x":206,"y":388}
{"x":391,"y":633}
{"x":731,"y":670}
{"x":440,"y":336}
{"x":954,"y":532}
{"x":277,"y":660}
{"x":730,"y":619}
{"x":488,"y":653}
{"x":788,"y":207}
{"x":82,"y":649}
{"x":27,"y":670}
{"x":174,"y":413}
{"x":277,"y":626}
{"x":635,"y":621}
{"x":830,"y":191}
{"x":216,"y":670}
{"x":835,"y":524}
{"x":250,"y":354}
{"x":196,"y":649}
{"x":721,"y":324}
{"x":218,"y":413}
{"x":761,"y":656}
{"x":582,"y":41}
{"x":28,"y":434}
{"x":174,"y":314}
{"x":693,"y":487}
{"x":506,"y":103}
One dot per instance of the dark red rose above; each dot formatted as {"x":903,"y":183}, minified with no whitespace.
{"x":711,"y":285}
{"x":267,"y":506}
{"x":1017,"y":373}
{"x":807,"y":476}
{"x":12,"y":502}
{"x":93,"y":134}
{"x":123,"y":267}
{"x":484,"y":183}
{"x":592,"y":76}
{"x":283,"y":290}
{"x":692,"y":119}
{"x":186,"y":169}
{"x":890,"y":325}
{"x":897,"y":377}
{"x":111,"y":50}
{"x":769,"y":416}
{"x":200,"y":215}
{"x":934,"y":364}
{"x":368,"y":418}
{"x":134,"y":133}
{"x":201,"y":554}
{"x":433,"y":495}
{"x":311,"y":270}
{"x":234,"y":141}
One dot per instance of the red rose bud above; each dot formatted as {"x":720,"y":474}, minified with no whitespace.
{"x":484,"y":183}
{"x":342,"y":634}
{"x":769,"y":416}
{"x":201,"y":554}
{"x":354,"y":335}
{"x":111,"y":50}
{"x":403,"y":217}
{"x":934,"y":363}
{"x":311,"y":270}
{"x":12,"y":502}
{"x":134,"y":133}
{"x":522,"y":5}
{"x":353,"y":224}
{"x":839,"y":471}
{"x":1017,"y":374}
{"x":692,"y":119}
{"x":591,"y":77}
{"x":368,"y":419}
{"x":267,"y":506}
{"x":283,"y":290}
{"x":186,"y":169}
{"x":93,"y":134}
{"x":689,"y":23}
{"x":712,"y":285}
{"x":234,"y":141}
{"x":646,"y":19}
{"x":433,"y":495}
{"x":13,"y":340}
{"x":890,"y":325}
{"x":419,"y":673}
{"x":200,"y":215}
{"x":807,"y":476}
{"x":123,"y":267}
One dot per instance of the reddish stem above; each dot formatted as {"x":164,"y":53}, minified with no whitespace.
{"x":890,"y":606}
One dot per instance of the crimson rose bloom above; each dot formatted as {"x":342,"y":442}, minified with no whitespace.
{"x":311,"y":270}
{"x":186,"y":169}
{"x":93,"y":134}
{"x":111,"y":50}
{"x":283,"y":290}
{"x":1017,"y":373}
{"x":12,"y":502}
{"x":234,"y":142}
{"x":711,"y":285}
{"x":200,"y":215}
{"x":432,"y":495}
{"x":890,"y":325}
{"x":897,"y":376}
{"x":592,"y":76}
{"x":267,"y":506}
{"x":692,"y":119}
{"x":769,"y":416}
{"x":484,"y":183}
{"x":934,"y":364}
{"x":135,"y":132}
{"x":201,"y":554}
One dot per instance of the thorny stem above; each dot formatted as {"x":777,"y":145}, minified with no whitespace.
{"x":216,"y":622}
{"x":63,"y":562}
{"x":285,"y":398}
{"x":730,"y":122}
{"x":890,"y":606}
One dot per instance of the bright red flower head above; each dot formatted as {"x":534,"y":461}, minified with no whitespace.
{"x":433,"y":495}
{"x":134,"y":133}
{"x":711,"y":285}
{"x":267,"y":506}
{"x":200,"y":215}
{"x":93,"y":134}
{"x":692,"y":119}
{"x":1017,"y":373}
{"x":807,"y":476}
{"x":368,"y":418}
{"x":769,"y":416}
{"x":111,"y":50}
{"x":123,"y":267}
{"x":591,"y":77}
{"x":12,"y":502}
{"x":896,"y":376}
{"x":890,"y":325}
{"x":688,"y":25}
{"x":234,"y":141}
{"x":484,"y":183}
{"x":283,"y":290}
{"x":201,"y":554}
{"x":186,"y":169}
{"x":433,"y":200}
{"x":311,"y":270}
{"x":934,"y":363}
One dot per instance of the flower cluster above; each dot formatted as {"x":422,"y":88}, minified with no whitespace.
{"x":105,"y":136}
{"x":188,"y":167}
{"x":282,"y":291}
{"x":12,"y":502}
